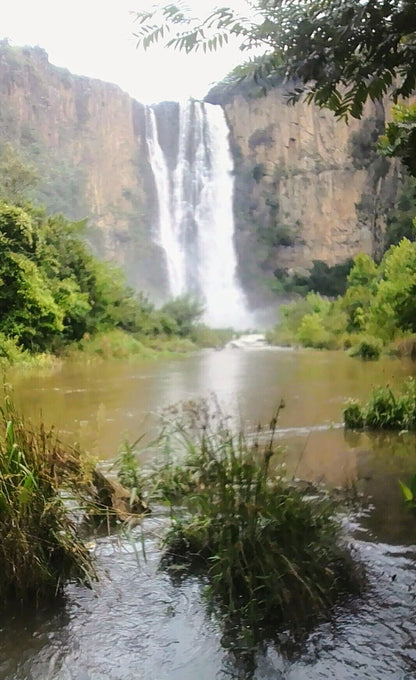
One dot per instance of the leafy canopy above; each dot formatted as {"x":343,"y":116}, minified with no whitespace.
{"x":400,"y":137}
{"x":338,"y":53}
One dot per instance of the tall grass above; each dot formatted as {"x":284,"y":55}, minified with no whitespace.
{"x":385,"y":410}
{"x":271,"y":552}
{"x":39,"y":543}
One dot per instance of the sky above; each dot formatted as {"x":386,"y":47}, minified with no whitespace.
{"x":95,"y":38}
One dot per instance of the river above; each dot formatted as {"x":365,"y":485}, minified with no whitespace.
{"x":136,"y":623}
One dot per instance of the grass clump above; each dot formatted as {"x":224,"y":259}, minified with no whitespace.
{"x":368,"y":348}
{"x":353,"y":415}
{"x":271,"y":553}
{"x":385,"y":410}
{"x":39,"y":543}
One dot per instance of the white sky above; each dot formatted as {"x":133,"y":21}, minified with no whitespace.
{"x":95,"y":38}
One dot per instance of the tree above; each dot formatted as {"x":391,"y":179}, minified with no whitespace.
{"x":394,"y":304}
{"x":362,"y":285}
{"x":17,"y":178}
{"x":400,"y":137}
{"x":185,"y":310}
{"x":337,"y":53}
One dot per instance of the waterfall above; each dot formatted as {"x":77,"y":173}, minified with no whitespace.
{"x":195,"y":212}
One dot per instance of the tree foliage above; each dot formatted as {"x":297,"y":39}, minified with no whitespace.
{"x":338,"y":53}
{"x":379,"y":305}
{"x":400,"y":137}
{"x":53,"y":290}
{"x":185,"y":311}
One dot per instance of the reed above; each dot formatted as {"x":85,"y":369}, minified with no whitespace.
{"x":271,"y":552}
{"x":39,"y":544}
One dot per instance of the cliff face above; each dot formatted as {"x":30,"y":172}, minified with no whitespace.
{"x":308,"y":187}
{"x":85,"y":139}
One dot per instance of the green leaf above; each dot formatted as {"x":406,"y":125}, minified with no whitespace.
{"x":407,"y":493}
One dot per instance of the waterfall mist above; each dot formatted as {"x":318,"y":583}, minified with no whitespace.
{"x":195,"y":225}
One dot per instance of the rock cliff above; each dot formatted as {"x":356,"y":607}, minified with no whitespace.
{"x":308,"y":187}
{"x":85,"y":139}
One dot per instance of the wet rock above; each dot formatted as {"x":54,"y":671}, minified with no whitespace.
{"x":113,"y":496}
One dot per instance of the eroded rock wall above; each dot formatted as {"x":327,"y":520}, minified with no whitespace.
{"x":86,"y":140}
{"x":308,"y":187}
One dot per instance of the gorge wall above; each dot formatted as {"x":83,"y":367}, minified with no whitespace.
{"x":85,"y":140}
{"x":306,"y":186}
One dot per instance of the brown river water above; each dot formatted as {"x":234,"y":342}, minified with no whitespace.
{"x":136,"y":623}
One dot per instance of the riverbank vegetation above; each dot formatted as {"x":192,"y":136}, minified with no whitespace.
{"x":384,"y":410}
{"x":57,"y":298}
{"x":272,"y":552}
{"x":377,"y":311}
{"x":40,"y":545}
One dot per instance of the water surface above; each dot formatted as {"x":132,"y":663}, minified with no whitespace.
{"x":136,"y":622}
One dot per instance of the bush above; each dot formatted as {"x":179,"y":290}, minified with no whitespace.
{"x":185,"y":311}
{"x":203,"y":336}
{"x":115,"y":344}
{"x":368,"y":348}
{"x":384,"y":410}
{"x":312,"y":333}
{"x":39,"y":544}
{"x":270,"y":552}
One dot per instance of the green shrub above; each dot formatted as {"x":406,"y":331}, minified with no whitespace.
{"x":384,"y":410}
{"x":311,"y":332}
{"x":368,"y":348}
{"x":185,"y":310}
{"x":127,"y":465}
{"x":203,"y":336}
{"x":115,"y":344}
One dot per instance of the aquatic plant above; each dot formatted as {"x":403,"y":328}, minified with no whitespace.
{"x":271,"y":552}
{"x":39,"y":543}
{"x":353,"y":415}
{"x":409,"y":492}
{"x":384,"y":410}
{"x":127,"y":465}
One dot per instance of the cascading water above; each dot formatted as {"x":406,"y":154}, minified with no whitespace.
{"x":196,"y":224}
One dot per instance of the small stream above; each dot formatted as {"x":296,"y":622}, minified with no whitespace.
{"x":136,"y":622}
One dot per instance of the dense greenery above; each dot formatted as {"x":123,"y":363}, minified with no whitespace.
{"x":385,"y":410}
{"x":378,"y":307}
{"x":54,"y":292}
{"x":271,"y":552}
{"x":400,"y":221}
{"x":39,"y":543}
{"x":400,"y":137}
{"x":322,"y":278}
